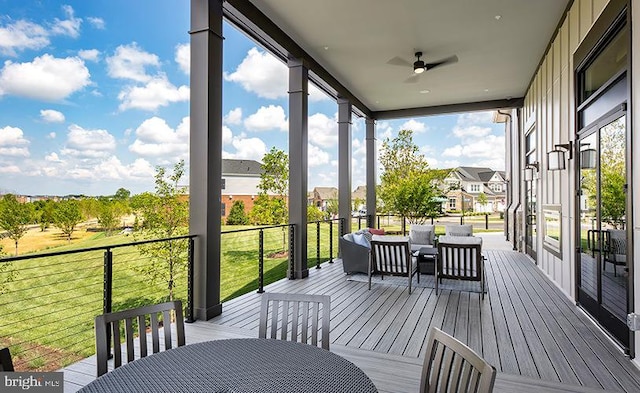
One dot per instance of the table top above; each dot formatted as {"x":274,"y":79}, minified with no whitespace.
{"x":237,"y":365}
{"x":428,"y":251}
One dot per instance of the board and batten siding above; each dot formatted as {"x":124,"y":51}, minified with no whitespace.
{"x":549,"y":105}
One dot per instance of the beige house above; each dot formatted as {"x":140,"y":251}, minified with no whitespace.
{"x":467,"y":184}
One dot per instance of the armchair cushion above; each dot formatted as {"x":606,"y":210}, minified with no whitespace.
{"x":460,"y":239}
{"x":421,"y":237}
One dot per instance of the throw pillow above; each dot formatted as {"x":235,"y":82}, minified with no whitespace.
{"x":420,"y":237}
{"x":374,"y":231}
{"x":366,"y":234}
{"x":360,"y":239}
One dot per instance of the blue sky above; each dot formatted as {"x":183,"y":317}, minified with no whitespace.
{"x":95,"y":94}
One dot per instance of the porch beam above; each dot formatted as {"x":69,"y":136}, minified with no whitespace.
{"x":371,"y":170}
{"x":344,"y":161}
{"x":205,"y":171}
{"x":452,"y":108}
{"x":298,"y":163}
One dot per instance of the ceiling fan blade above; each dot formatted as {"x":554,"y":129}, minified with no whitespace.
{"x":448,"y":60}
{"x":412,"y":79}
{"x":399,"y":61}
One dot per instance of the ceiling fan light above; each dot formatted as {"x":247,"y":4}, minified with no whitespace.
{"x":418,"y":70}
{"x":418,"y":67}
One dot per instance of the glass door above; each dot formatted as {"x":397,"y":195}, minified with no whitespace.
{"x":602,"y":244}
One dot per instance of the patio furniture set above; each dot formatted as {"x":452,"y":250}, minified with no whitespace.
{"x":456,"y":255}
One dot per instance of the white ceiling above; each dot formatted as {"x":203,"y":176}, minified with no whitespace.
{"x":354,"y":40}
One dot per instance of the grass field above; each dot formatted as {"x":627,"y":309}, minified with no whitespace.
{"x":48,"y":309}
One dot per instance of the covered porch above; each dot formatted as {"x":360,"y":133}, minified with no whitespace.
{"x":526,"y":327}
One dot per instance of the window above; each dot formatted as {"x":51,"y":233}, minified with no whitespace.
{"x":474,"y":188}
{"x":452,"y":203}
{"x":496,"y":187}
{"x":552,"y":229}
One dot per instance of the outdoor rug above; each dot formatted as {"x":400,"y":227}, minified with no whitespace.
{"x":426,"y":281}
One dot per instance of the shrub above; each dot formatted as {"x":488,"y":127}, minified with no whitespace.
{"x":237,"y":215}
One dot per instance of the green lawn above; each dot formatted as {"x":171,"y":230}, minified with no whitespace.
{"x":48,"y":310}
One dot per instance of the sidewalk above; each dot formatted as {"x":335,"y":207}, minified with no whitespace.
{"x":494,"y":241}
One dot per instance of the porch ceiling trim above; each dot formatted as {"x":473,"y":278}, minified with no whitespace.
{"x":452,"y":108}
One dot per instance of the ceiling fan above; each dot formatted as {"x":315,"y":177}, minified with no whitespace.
{"x":419,"y":66}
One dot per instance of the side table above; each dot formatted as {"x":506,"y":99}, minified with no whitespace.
{"x":427,"y":260}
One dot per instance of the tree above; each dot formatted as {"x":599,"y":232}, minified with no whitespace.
{"x":107,"y":216}
{"x":332,"y":206}
{"x":14,"y":217}
{"x":408,"y":187}
{"x":237,"y":215}
{"x":274,"y":180}
{"x":122,"y":194}
{"x":482,"y":200}
{"x":66,"y":216}
{"x":314,"y":214}
{"x":43,"y":213}
{"x":6,"y":273}
{"x":165,"y":214}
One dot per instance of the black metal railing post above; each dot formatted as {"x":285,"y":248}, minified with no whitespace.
{"x":404,"y":226}
{"x":190,"y":281}
{"x":330,"y":241}
{"x":318,"y":245}
{"x":292,"y":273}
{"x":107,"y":293}
{"x":486,"y":221}
{"x":342,"y":220}
{"x":261,"y":261}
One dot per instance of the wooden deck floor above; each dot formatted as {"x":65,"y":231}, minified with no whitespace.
{"x":525,"y":326}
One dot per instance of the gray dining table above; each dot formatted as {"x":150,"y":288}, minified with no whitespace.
{"x":245,"y":365}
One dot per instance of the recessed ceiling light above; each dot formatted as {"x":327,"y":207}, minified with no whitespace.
{"x":486,"y":90}
{"x":498,"y":17}
{"x":326,"y":48}
{"x":425,"y":91}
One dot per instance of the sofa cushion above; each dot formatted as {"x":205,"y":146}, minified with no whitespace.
{"x":460,"y":239}
{"x":421,"y":237}
{"x":458,"y":230}
{"x":396,"y":239}
{"x":422,"y":227}
{"x":361,"y":239}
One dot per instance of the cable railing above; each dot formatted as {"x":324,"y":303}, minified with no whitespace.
{"x":48,"y":301}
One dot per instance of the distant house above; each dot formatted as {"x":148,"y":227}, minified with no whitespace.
{"x":466,"y":184}
{"x":241,"y":180}
{"x":320,"y":196}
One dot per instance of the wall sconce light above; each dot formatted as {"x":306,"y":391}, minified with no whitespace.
{"x":588,"y":158}
{"x":529,"y":171}
{"x":555,"y":157}
{"x":230,"y":196}
{"x":253,"y":197}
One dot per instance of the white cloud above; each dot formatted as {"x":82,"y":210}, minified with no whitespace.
{"x":53,"y":157}
{"x":89,"y":54}
{"x":247,"y":148}
{"x":96,"y":22}
{"x":227,"y":135}
{"x":12,"y":136}
{"x":264,"y":75}
{"x":471,"y":131}
{"x":474,"y":118}
{"x":45,"y":78}
{"x":22,"y":35}
{"x":316,"y":156}
{"x":414,"y":125}
{"x":183,"y":57}
{"x":233,"y":117}
{"x":155,"y":138}
{"x":13,"y":143}
{"x":323,"y":130}
{"x":130,"y":62}
{"x":9,"y":169}
{"x":267,"y":118}
{"x":51,"y":116}
{"x":156,"y":93}
{"x":88,"y":144}
{"x":70,"y":26}
{"x":491,"y":146}
{"x":51,"y":135}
